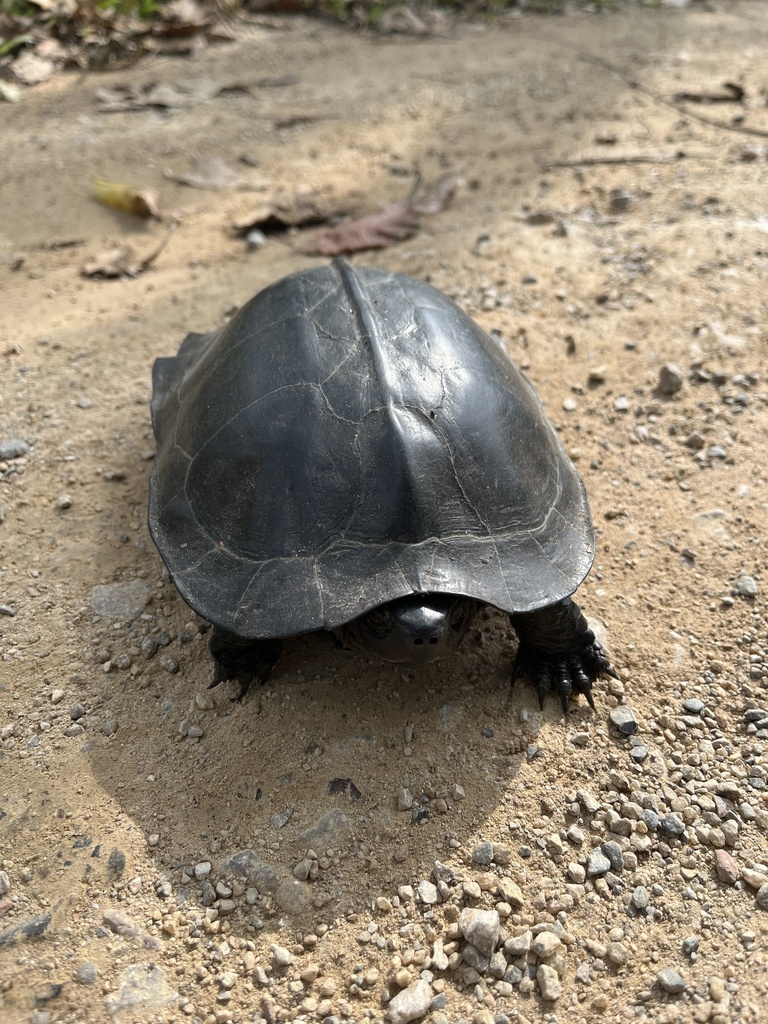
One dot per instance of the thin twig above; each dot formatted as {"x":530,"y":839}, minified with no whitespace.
{"x":596,"y":161}
{"x":742,"y":129}
{"x":620,"y":73}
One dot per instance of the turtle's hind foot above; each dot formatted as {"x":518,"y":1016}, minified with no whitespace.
{"x":241,"y":660}
{"x":558,"y":653}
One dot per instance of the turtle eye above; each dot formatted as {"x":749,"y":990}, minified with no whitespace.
{"x":378,"y":622}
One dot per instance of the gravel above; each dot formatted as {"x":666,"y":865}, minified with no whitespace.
{"x":670,"y":981}
{"x":13,"y":448}
{"x":480,"y":928}
{"x":411,"y":1003}
{"x":120,"y":600}
{"x":624,"y":719}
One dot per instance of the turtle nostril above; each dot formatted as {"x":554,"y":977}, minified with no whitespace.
{"x":433,"y":639}
{"x":418,"y":641}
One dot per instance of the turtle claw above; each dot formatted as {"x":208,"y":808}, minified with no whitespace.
{"x":565,"y":674}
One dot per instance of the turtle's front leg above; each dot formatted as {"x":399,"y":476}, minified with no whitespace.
{"x":558,"y":652}
{"x":235,"y":657}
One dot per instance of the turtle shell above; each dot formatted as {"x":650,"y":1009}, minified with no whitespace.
{"x":351,"y":437}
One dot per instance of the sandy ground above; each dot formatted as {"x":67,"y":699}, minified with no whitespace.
{"x":126,"y":787}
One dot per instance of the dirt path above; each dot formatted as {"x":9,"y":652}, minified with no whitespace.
{"x":168,"y":855}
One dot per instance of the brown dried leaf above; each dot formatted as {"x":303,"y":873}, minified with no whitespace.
{"x":141,"y":202}
{"x":373,"y":231}
{"x":385,"y":227}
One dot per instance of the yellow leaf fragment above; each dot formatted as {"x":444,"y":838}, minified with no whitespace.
{"x":141,"y":202}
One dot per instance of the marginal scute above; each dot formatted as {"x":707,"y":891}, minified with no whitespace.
{"x":350,"y":437}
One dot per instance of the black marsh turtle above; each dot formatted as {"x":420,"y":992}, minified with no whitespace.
{"x":351,"y":452}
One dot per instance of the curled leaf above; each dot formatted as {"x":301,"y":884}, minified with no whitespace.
{"x":275,"y":218}
{"x":385,"y":227}
{"x":141,"y":202}
{"x":373,"y":231}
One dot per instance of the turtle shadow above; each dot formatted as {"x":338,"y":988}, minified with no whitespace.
{"x":342,"y":779}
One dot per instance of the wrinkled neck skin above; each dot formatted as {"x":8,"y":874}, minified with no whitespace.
{"x":414,"y":629}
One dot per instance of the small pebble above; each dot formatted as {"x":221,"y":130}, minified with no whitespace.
{"x":670,"y":981}
{"x":618,"y":953}
{"x":427,"y":893}
{"x":483,"y":854}
{"x":255,"y":239}
{"x":411,"y":1003}
{"x":545,"y":944}
{"x":13,"y":449}
{"x":614,"y":854}
{"x":87,"y":973}
{"x":672,"y":825}
{"x":149,"y":646}
{"x":761,"y":897}
{"x":745,"y":586}
{"x":624,"y":719}
{"x":481,"y":928}
{"x":281,"y":957}
{"x":597,"y":864}
{"x":726,"y":867}
{"x":670,"y":379}
{"x":518,"y":945}
{"x":640,"y":897}
{"x":549,"y":983}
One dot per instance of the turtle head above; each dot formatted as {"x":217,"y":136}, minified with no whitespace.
{"x":417,"y":628}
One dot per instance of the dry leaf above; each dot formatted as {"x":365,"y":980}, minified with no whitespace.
{"x":208,"y":172}
{"x":431,"y":199}
{"x":373,"y":231}
{"x":277,"y":217}
{"x":141,"y":202}
{"x":156,"y":94}
{"x":121,"y":261}
{"x":31,"y":69}
{"x":384,"y":228}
